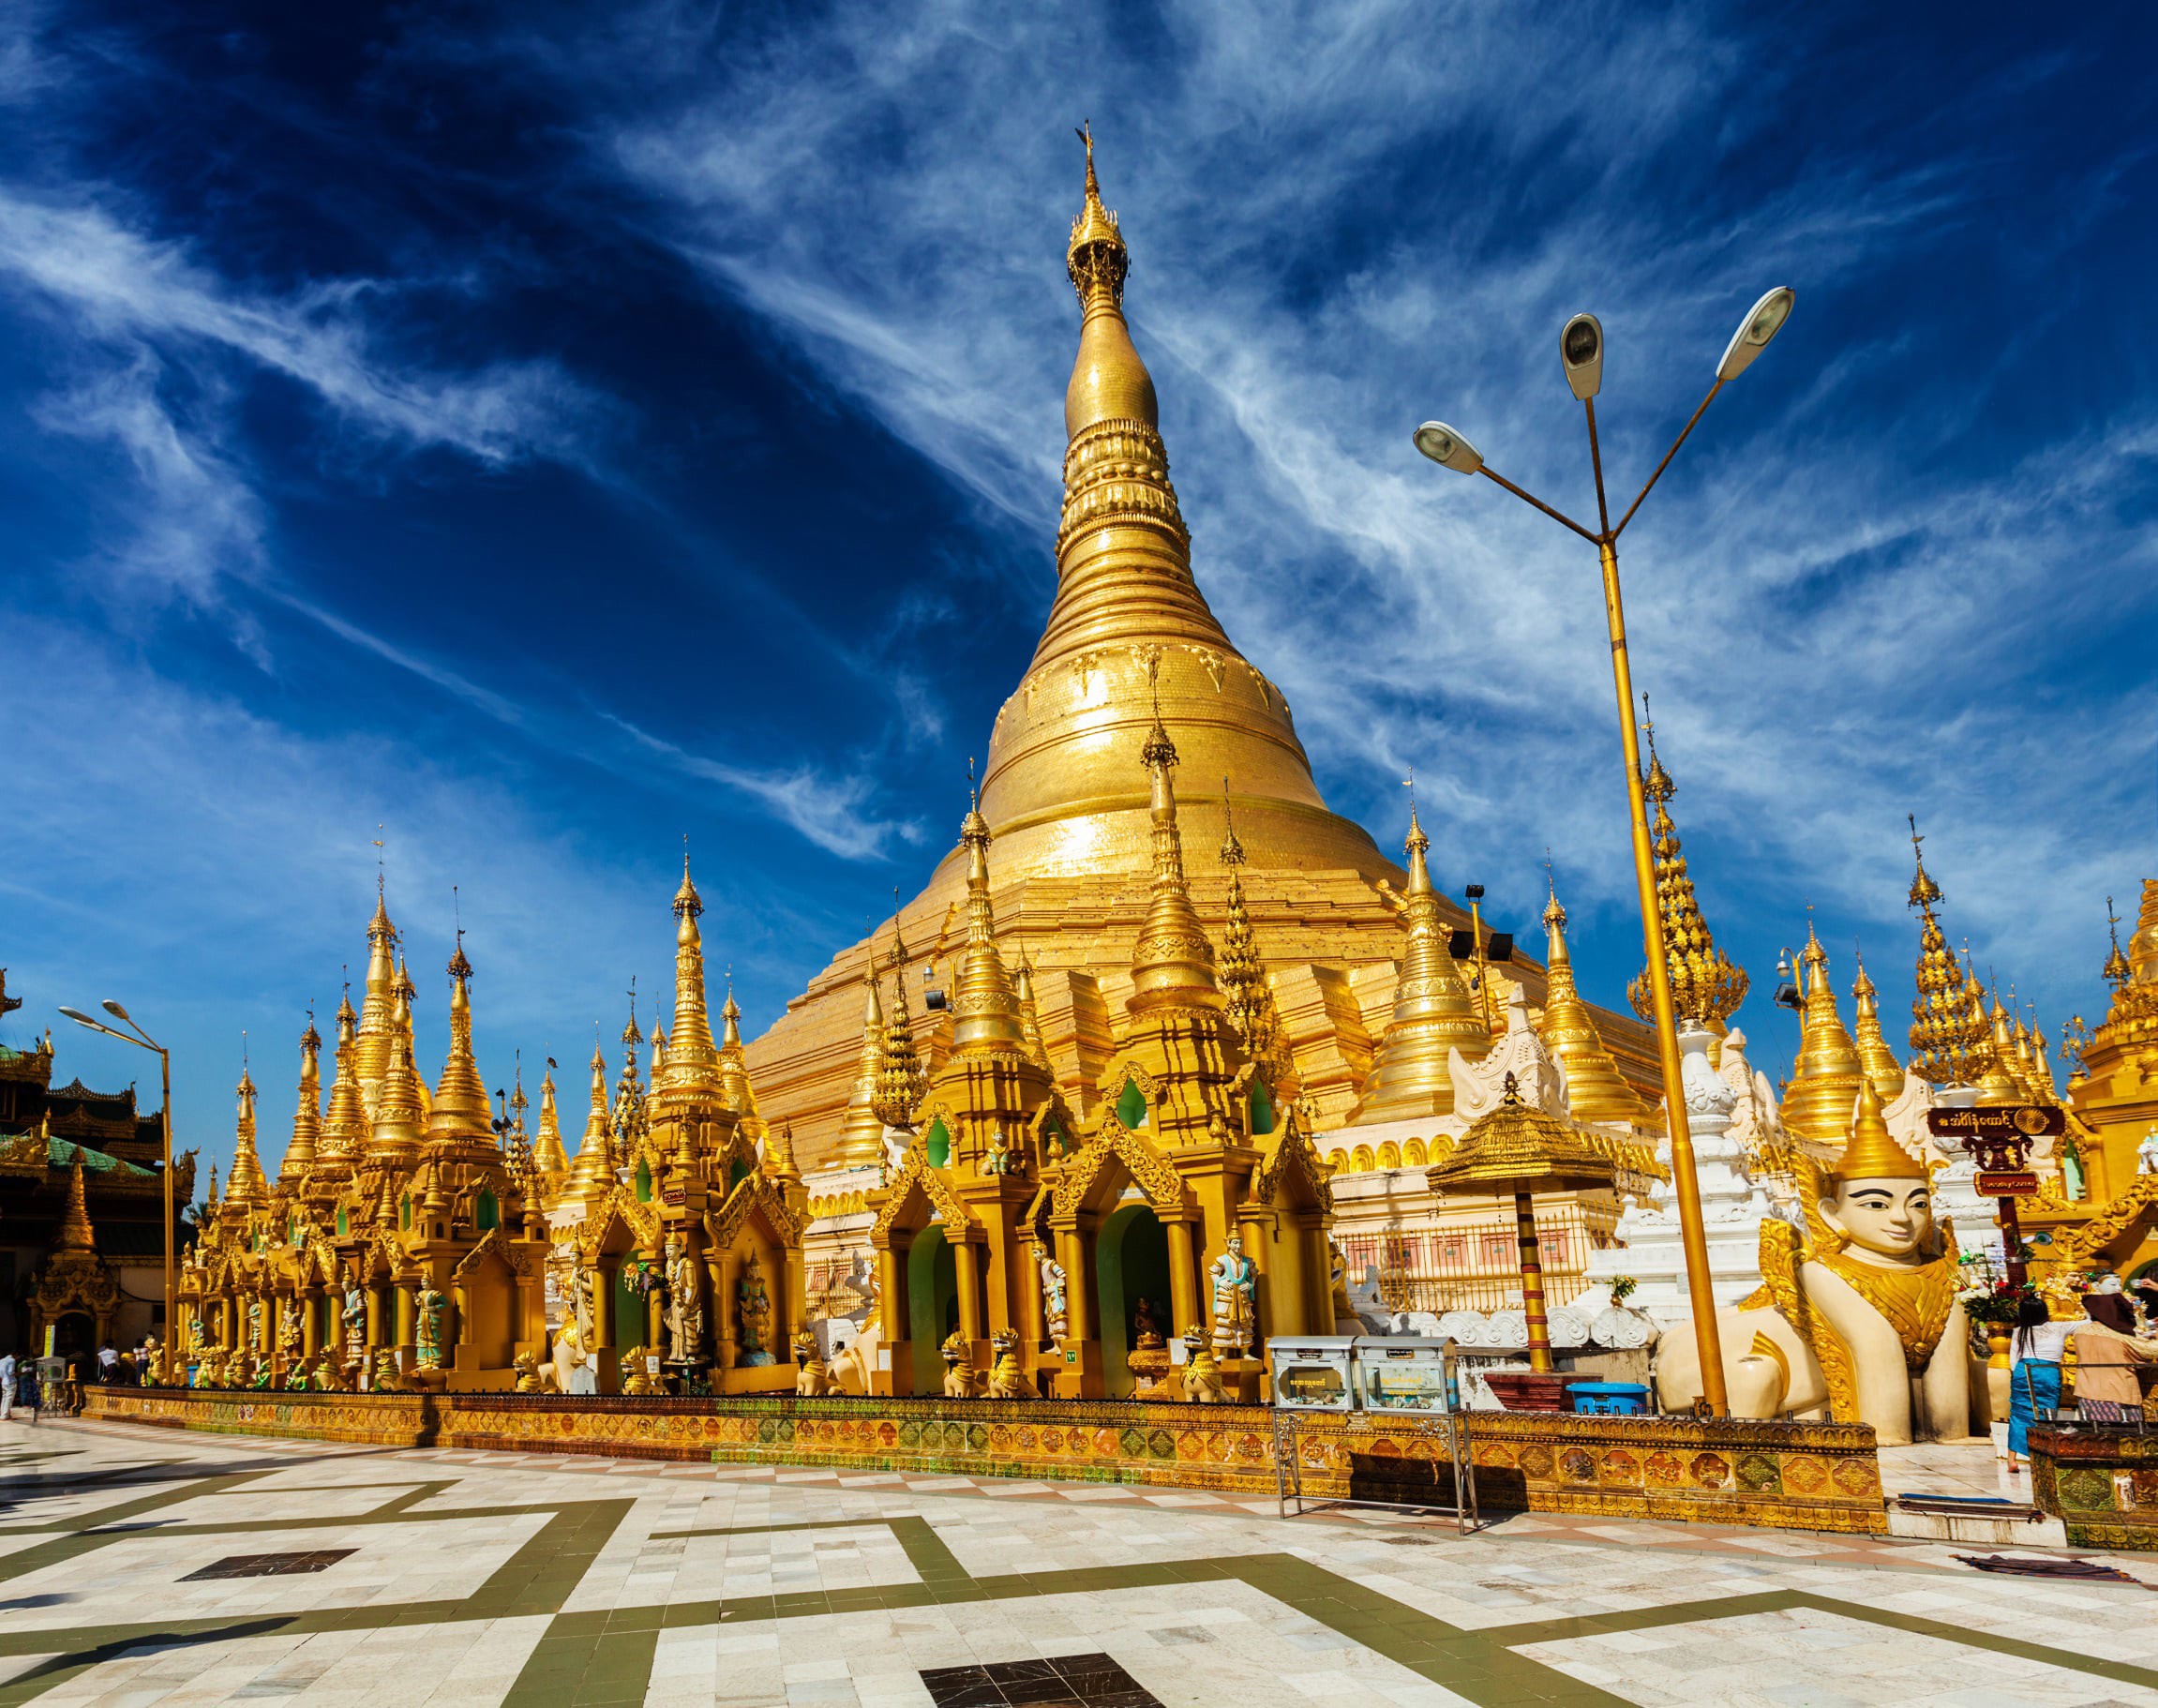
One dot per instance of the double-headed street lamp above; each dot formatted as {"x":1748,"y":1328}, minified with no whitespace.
{"x":141,"y":1040}
{"x":1581,"y":354}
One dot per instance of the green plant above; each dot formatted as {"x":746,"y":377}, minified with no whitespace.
{"x":1623,"y":1289}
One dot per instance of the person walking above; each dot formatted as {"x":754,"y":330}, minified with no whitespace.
{"x":6,"y":1385}
{"x":2106,"y":1352}
{"x":2034,"y":1377}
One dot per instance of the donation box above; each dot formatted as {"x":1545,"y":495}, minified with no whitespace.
{"x":1311,"y":1372}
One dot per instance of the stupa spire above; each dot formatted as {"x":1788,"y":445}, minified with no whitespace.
{"x":1705,"y":986}
{"x":1825,"y":1080}
{"x":397,"y":1137}
{"x":547,"y":1153}
{"x":1950,"y":1042}
{"x":1173,"y":962}
{"x":1595,"y":1090}
{"x":345,"y":1127}
{"x":76,"y":1234}
{"x":594,"y":1175}
{"x":1879,"y":1061}
{"x":461,"y":1102}
{"x":307,"y":1113}
{"x":900,"y":1076}
{"x":984,"y":1006}
{"x":861,"y":1139}
{"x":735,"y":1090}
{"x":1247,"y":998}
{"x":378,"y":1006}
{"x":692,"y":1057}
{"x":1029,"y":1015}
{"x":1432,"y":1011}
{"x":247,"y":1188}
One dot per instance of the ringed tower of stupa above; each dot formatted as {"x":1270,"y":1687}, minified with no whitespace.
{"x":1129,"y":636}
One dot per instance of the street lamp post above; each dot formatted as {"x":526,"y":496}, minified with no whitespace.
{"x":1581,"y":353}
{"x":141,"y":1040}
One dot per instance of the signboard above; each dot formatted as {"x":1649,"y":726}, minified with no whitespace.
{"x":1999,"y":1121}
{"x":2007,"y":1185}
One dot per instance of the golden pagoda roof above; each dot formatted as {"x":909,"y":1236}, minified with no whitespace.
{"x":460,"y":1108}
{"x":692,"y":1068}
{"x":862,"y":1139}
{"x":591,"y":1177}
{"x":1172,"y":959}
{"x":307,"y":1112}
{"x":249,"y":1188}
{"x":1825,"y":1079}
{"x":900,"y":1076}
{"x":1595,"y":1090}
{"x":75,"y":1233}
{"x":1705,"y":986}
{"x":549,"y":1155}
{"x":1515,"y":1147}
{"x":1950,"y":1041}
{"x":1879,"y":1061}
{"x":1432,"y":1011}
{"x":984,"y":1006}
{"x":1247,"y":998}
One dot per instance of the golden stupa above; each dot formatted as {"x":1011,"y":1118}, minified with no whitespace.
{"x":1129,"y":636}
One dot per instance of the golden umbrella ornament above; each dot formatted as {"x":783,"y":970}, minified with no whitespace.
{"x":1519,"y":1149}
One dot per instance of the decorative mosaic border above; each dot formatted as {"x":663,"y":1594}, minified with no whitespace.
{"x":1812,"y":1476}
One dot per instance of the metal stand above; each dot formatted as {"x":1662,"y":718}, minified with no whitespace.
{"x":1453,"y":1427}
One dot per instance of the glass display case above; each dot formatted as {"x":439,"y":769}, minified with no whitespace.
{"x":1403,"y":1373}
{"x":1311,"y":1372}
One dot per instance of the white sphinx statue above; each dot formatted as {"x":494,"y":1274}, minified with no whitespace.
{"x":1858,"y":1315}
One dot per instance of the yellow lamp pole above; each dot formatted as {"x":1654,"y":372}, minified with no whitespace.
{"x":141,"y":1040}
{"x":1581,"y":353}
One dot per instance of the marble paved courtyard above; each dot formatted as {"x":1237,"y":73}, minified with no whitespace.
{"x":142,"y":1567}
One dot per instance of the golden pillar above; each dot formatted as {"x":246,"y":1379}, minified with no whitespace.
{"x":1183,"y":1279}
{"x":1533,"y":1282}
{"x":309,"y":1304}
{"x":966,"y":1266}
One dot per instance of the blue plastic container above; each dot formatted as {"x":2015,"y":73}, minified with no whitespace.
{"x":1608,"y":1399}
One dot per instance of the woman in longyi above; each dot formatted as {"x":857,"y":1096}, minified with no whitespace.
{"x":1857,"y":1318}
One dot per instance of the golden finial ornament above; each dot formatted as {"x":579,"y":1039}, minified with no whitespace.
{"x":461,"y":1110}
{"x":1247,"y":997}
{"x":548,"y":1156}
{"x":1173,"y":962}
{"x":249,"y":1188}
{"x":2117,"y":970}
{"x":306,"y":1142}
{"x":1595,"y":1090}
{"x":1410,"y":1078}
{"x":1950,"y":1042}
{"x":984,"y":1006}
{"x":861,"y":1135}
{"x":591,"y":1177}
{"x":900,"y":1078}
{"x":1706,"y":987}
{"x":75,"y":1234}
{"x":1825,"y":1080}
{"x":692,"y":1071}
{"x":1882,"y":1068}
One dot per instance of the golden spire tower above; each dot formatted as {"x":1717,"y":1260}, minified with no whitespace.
{"x":1882,"y":1068}
{"x":247,"y":1188}
{"x":2000,"y":1085}
{"x":344,"y":1137}
{"x":984,"y":1006}
{"x":862,"y":1139}
{"x":1127,"y":622}
{"x":395,"y":1143}
{"x":1029,"y":1014}
{"x":1595,"y":1090}
{"x":691,"y":1070}
{"x":307,"y":1113}
{"x":1949,"y":1043}
{"x":1432,"y":1011}
{"x":593,"y":1178}
{"x":461,"y":1108}
{"x":1705,"y":988}
{"x":1173,"y":961}
{"x":1824,"y":1082}
{"x":378,"y":1007}
{"x":735,"y":1091}
{"x":549,"y":1155}
{"x":1247,"y":998}
{"x":76,"y":1234}
{"x":900,"y":1076}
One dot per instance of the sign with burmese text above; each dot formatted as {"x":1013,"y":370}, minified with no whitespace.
{"x":2006,"y":1184}
{"x":1999,"y":1121}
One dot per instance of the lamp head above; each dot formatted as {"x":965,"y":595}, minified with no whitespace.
{"x":1581,"y":351}
{"x":79,"y":1018}
{"x":111,"y":1006}
{"x":1447,"y":448}
{"x":1763,"y":321}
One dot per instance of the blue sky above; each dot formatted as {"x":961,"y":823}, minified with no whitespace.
{"x":546,"y":430}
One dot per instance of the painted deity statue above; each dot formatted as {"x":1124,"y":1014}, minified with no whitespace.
{"x":753,"y":1305}
{"x":684,"y":1304}
{"x":1054,"y":1310}
{"x":431,"y":1301}
{"x":1235,"y":1283}
{"x":1858,"y":1315}
{"x":289,"y":1334}
{"x":255,"y":1325}
{"x":356,"y":1317}
{"x":2147,"y":1153}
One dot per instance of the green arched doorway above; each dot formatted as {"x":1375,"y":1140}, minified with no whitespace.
{"x":1130,"y":1263}
{"x":932,"y":1305}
